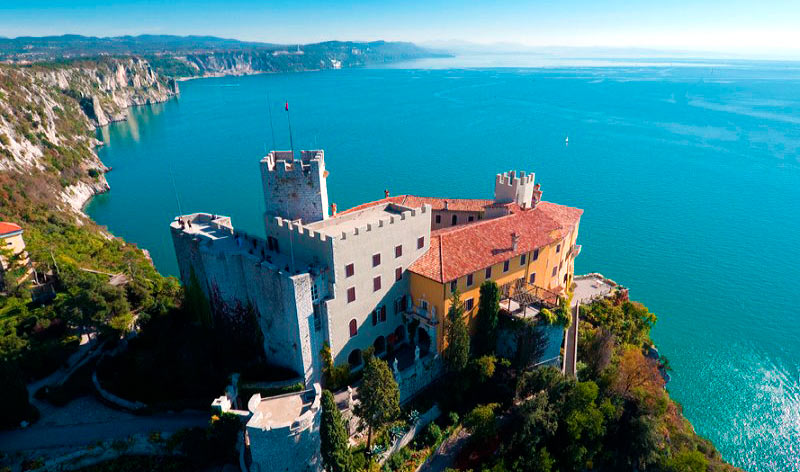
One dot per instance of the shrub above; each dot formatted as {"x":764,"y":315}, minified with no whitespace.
{"x":433,"y":434}
{"x":482,"y":422}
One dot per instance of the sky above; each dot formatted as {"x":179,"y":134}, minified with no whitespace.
{"x":746,"y":27}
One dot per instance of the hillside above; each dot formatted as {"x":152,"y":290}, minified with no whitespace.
{"x":191,"y":56}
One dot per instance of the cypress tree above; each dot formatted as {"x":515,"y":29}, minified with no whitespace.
{"x":456,"y":354}
{"x":336,"y":456}
{"x":488,"y":312}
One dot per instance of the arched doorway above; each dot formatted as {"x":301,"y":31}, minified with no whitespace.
{"x":424,"y":340}
{"x":354,"y":359}
{"x":379,"y":345}
{"x":400,"y":333}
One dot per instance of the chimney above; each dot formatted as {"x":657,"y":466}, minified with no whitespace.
{"x":386,"y":193}
{"x":333,"y":209}
{"x":514,"y":241}
{"x":445,"y":204}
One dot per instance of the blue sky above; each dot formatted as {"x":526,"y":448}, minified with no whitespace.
{"x":743,"y":26}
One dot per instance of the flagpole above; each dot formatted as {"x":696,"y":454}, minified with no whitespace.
{"x":289,"y":119}
{"x":271,"y":125}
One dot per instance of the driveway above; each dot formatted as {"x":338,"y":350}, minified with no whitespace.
{"x":85,"y":420}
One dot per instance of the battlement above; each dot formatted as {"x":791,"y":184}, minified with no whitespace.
{"x":295,"y":188}
{"x":510,"y":187}
{"x":292,"y":412}
{"x":284,"y":161}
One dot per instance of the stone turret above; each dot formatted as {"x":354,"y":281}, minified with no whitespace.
{"x":295,"y":189}
{"x":510,"y":188}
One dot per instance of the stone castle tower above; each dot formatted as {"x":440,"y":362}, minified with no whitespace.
{"x":510,"y":188}
{"x":295,"y":189}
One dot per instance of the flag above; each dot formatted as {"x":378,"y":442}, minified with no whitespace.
{"x":287,"y":106}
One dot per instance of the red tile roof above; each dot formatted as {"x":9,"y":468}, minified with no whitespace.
{"x":8,"y":228}
{"x":460,"y":250}
{"x":413,"y":201}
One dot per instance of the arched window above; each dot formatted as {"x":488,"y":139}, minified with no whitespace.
{"x":400,"y":333}
{"x":424,"y":340}
{"x":353,"y":328}
{"x":354,"y":359}
{"x":455,"y":220}
{"x":379,"y":345}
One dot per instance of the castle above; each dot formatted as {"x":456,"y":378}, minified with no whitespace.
{"x":377,"y":275}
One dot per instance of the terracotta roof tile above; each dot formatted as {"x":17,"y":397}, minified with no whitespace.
{"x":8,"y":228}
{"x":460,"y":250}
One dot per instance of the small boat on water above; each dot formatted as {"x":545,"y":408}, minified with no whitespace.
{"x":566,"y":141}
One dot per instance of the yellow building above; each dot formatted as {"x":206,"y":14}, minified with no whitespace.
{"x":531,"y":247}
{"x":11,"y":238}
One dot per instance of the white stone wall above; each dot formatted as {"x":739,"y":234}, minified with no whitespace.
{"x":291,"y":447}
{"x":282,"y":301}
{"x":358,"y":247}
{"x":295,"y":189}
{"x":509,"y":187}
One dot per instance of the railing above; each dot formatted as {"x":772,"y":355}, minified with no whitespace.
{"x":528,"y":294}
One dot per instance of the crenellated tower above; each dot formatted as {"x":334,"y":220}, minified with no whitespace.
{"x":295,"y":189}
{"x":511,"y":188}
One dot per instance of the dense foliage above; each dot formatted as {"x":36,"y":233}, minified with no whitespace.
{"x":616,"y":416}
{"x":334,"y":448}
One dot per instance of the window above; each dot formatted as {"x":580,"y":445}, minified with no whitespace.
{"x":488,"y":273}
{"x":438,"y":219}
{"x":374,"y":317}
{"x":453,"y":285}
{"x":376,"y":260}
{"x":314,"y":292}
{"x":532,"y":278}
{"x":349,"y":270}
{"x":555,"y":271}
{"x":376,"y":283}
{"x":420,"y":242}
{"x":398,"y":251}
{"x":469,"y":280}
{"x":351,"y":294}
{"x":522,"y":260}
{"x":272,"y":244}
{"x":353,"y":328}
{"x":471,"y":218}
{"x":558,"y":248}
{"x":505,"y":266}
{"x":398,"y":274}
{"x":400,"y":304}
{"x":382,"y":313}
{"x":468,"y":304}
{"x":535,"y":254}
{"x":454,"y":220}
{"x":424,"y":305}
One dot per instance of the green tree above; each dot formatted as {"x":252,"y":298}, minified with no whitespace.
{"x":336,"y":455}
{"x":482,"y":421}
{"x":456,"y":354}
{"x":488,"y":317}
{"x":13,"y":272}
{"x":379,"y":396}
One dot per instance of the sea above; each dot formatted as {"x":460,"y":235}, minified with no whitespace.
{"x":688,"y":172}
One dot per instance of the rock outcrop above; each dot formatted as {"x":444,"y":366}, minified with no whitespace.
{"x":48,"y":114}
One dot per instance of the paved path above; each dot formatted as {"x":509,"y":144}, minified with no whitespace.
{"x":571,"y":347}
{"x":85,"y":420}
{"x":445,"y":456}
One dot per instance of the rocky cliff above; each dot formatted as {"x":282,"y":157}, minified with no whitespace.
{"x":47,"y":117}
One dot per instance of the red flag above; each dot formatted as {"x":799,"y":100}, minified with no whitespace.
{"x":287,"y":106}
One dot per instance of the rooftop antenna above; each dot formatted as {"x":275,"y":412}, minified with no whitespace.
{"x":271,"y":126}
{"x":289,"y":119}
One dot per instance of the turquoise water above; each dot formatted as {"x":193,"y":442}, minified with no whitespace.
{"x":689,"y":177}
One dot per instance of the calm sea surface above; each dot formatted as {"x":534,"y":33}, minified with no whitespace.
{"x":689,"y":176}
